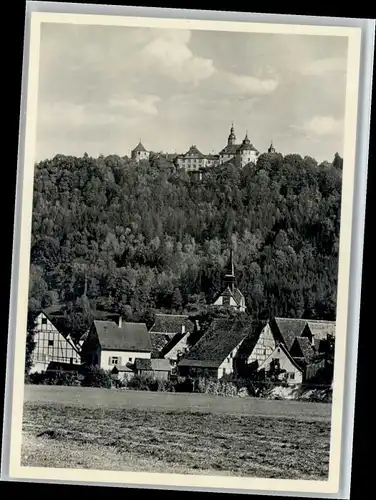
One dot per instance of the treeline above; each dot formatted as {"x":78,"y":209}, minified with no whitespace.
{"x":132,"y":238}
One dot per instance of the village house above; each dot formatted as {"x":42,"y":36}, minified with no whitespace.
{"x":300,"y":338}
{"x":52,"y":343}
{"x":167,"y":327}
{"x":230,"y":295}
{"x":109,"y":344}
{"x":280,"y":359}
{"x":177,"y":347}
{"x":215,"y":354}
{"x":158,"y":369}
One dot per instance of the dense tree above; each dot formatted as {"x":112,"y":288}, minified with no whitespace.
{"x":135,"y":238}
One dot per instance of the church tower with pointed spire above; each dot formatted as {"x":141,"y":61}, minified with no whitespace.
{"x":232,"y":137}
{"x":229,"y":277}
{"x":230,"y":295}
{"x":271,"y":148}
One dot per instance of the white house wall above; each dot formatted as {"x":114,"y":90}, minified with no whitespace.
{"x":51,"y":346}
{"x":227,"y":366}
{"x":106,"y":358}
{"x":264,"y":346}
{"x":219,"y":302}
{"x":294,"y":375}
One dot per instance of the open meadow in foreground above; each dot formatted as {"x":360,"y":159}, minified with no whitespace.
{"x":174,"y":433}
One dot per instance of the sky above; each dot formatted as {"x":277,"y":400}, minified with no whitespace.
{"x":103,"y":88}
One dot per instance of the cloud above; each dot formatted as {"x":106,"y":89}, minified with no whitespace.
{"x":169,"y":53}
{"x":322,"y":67}
{"x":86,"y":116}
{"x":321,"y":126}
{"x":145,"y":105}
{"x":252,"y":85}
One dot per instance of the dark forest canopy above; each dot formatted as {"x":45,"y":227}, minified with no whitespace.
{"x":109,"y":234}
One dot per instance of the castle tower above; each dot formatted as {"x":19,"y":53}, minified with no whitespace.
{"x":246,"y":141}
{"x":140,"y":153}
{"x":232,"y":137}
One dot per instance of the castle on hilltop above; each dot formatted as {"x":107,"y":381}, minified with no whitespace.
{"x":196,"y":161}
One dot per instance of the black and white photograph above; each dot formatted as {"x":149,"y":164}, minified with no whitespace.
{"x":184,"y":311}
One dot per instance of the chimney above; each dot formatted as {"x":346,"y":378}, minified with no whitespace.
{"x":183,"y":329}
{"x":120,"y":321}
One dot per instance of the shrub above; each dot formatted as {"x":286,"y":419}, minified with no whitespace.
{"x":142,"y":383}
{"x":53,"y":378}
{"x":97,"y":377}
{"x":218,"y":387}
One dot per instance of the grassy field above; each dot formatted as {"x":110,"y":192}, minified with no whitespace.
{"x":175,"y":433}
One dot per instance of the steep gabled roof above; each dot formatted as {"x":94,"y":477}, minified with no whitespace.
{"x":222,"y":337}
{"x":320,"y":328}
{"x":235,"y":293}
{"x":171,"y":324}
{"x":288,"y":355}
{"x":287,"y":329}
{"x":177,"y":345}
{"x":295,"y":362}
{"x":159,"y":341}
{"x":129,"y":337}
{"x":302,"y":348}
{"x":59,"y":316}
{"x":55,"y":315}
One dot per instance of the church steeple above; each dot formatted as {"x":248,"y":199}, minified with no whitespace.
{"x":230,"y":272}
{"x":271,"y":148}
{"x":232,"y":137}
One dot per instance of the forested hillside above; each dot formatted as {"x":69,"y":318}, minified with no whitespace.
{"x":109,"y":234}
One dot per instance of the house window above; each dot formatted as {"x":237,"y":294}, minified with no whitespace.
{"x":264,"y":352}
{"x":223,"y":372}
{"x":291,"y":376}
{"x":278,"y":350}
{"x":130,"y":359}
{"x":44,"y":321}
{"x":114,"y":361}
{"x":50,"y":343}
{"x":71,"y":361}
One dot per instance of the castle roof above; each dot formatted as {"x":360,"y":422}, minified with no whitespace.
{"x":139,"y":147}
{"x":230,"y":149}
{"x":193,"y":152}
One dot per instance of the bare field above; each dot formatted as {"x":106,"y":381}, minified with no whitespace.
{"x":174,"y":433}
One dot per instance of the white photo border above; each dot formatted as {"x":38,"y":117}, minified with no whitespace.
{"x":360,"y":33}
